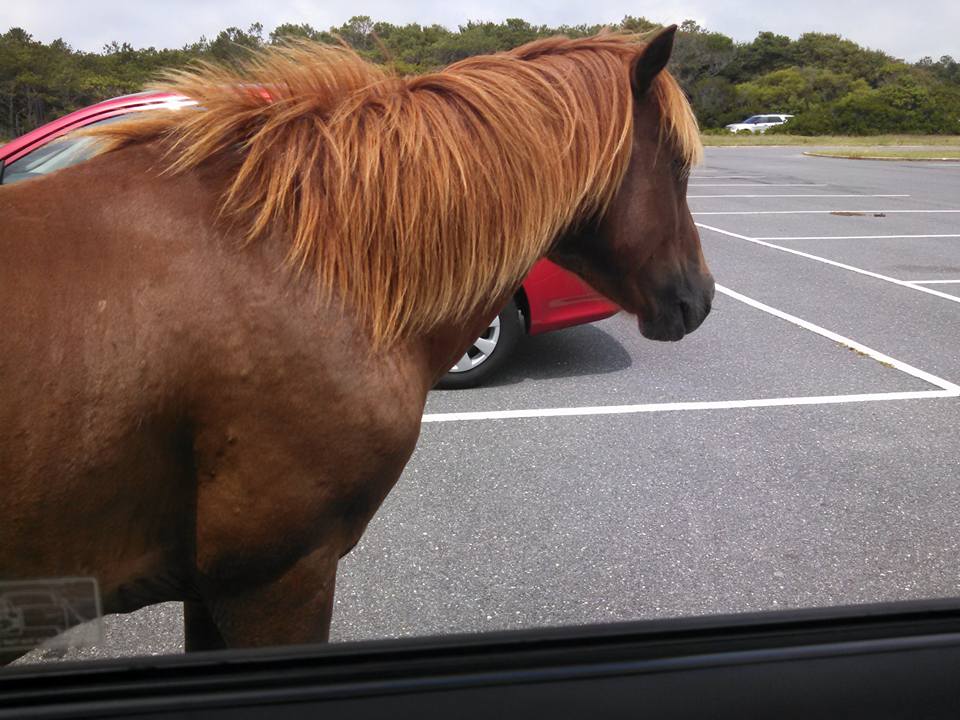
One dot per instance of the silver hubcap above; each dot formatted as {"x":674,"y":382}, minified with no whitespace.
{"x":481,"y":349}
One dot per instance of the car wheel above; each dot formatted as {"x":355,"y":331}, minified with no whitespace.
{"x":488,"y":354}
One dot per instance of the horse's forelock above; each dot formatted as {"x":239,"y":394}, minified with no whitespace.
{"x":678,"y":124}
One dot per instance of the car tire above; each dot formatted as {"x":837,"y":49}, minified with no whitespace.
{"x":489,"y":353}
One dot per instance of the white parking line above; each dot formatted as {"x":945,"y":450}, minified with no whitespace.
{"x":852,"y":344}
{"x":920,"y":285}
{"x":844,"y":266}
{"x":754,"y":184}
{"x":673,"y":407}
{"x":818,"y":212}
{"x":944,"y":389}
{"x":805,"y":195}
{"x":855,"y":237}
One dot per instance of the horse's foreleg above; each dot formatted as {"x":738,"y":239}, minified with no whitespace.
{"x":200,"y":630}
{"x":286,"y":483}
{"x":294,"y":608}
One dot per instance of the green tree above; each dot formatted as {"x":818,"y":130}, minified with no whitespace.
{"x":234,"y":44}
{"x":357,"y":32}
{"x":303,"y":31}
{"x":768,"y":51}
{"x":842,"y":56}
{"x":632,"y":24}
{"x":793,"y":90}
{"x":699,"y":54}
{"x":715,"y":100}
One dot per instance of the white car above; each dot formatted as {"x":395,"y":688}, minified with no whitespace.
{"x":758,"y":123}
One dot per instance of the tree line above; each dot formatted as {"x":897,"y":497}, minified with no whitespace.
{"x":831,"y":85}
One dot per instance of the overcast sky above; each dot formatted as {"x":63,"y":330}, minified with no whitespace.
{"x":908,"y":29}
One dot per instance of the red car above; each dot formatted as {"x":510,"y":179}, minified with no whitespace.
{"x":549,"y":299}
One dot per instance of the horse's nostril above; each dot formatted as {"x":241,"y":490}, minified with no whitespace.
{"x":689,"y":314}
{"x":695,"y":310}
{"x":712,"y":291}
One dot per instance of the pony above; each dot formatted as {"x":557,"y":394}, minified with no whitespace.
{"x":220,"y":332}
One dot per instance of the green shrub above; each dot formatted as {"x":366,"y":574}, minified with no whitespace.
{"x":905,"y":103}
{"x":815,"y":120}
{"x":793,"y":90}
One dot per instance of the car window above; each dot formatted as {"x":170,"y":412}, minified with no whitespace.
{"x":56,"y":155}
{"x":785,"y":456}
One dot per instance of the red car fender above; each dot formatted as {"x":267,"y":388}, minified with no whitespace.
{"x":556,"y":298}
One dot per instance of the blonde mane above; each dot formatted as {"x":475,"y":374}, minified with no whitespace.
{"x":415,"y":200}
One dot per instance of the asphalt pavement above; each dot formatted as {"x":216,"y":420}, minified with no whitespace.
{"x":799,"y":450}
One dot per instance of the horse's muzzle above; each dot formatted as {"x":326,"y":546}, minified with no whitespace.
{"x":680,"y":313}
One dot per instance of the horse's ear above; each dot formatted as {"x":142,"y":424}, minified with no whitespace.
{"x":652,"y":59}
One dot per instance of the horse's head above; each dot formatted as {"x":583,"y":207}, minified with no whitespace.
{"x":644,"y":251}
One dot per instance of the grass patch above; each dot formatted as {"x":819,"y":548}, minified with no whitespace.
{"x":892,"y":154}
{"x":834,"y":140}
{"x":863,"y":354}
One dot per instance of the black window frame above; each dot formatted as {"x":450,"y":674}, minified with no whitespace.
{"x":878,"y":661}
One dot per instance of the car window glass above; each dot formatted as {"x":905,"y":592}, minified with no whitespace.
{"x":60,"y":153}
{"x":604,"y":473}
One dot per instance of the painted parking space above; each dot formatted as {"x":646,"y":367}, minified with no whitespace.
{"x":902,"y":260}
{"x":894,"y":318}
{"x":925,"y":259}
{"x":705,"y":372}
{"x":676,"y":391}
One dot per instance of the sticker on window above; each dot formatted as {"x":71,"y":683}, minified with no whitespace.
{"x":40,"y":612}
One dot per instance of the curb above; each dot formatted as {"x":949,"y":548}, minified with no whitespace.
{"x":877,"y":157}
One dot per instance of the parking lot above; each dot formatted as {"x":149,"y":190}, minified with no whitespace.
{"x":800,"y":449}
